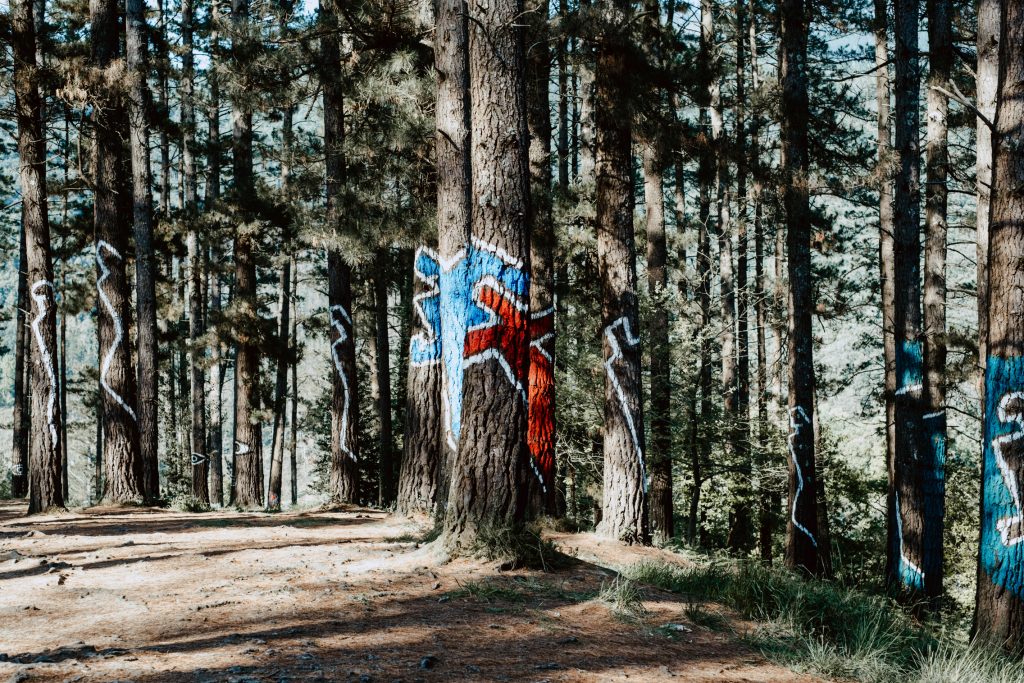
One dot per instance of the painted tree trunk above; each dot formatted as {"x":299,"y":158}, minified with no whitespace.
{"x":887,"y":272}
{"x":541,"y":433}
{"x":660,"y":453}
{"x":625,"y":515}
{"x":45,"y":484}
{"x":999,"y":617}
{"x":22,"y":410}
{"x":907,"y":571}
{"x":940,"y":41}
{"x":802,"y":546}
{"x":388,"y":473}
{"x":987,"y":82}
{"x":453,"y":216}
{"x":424,"y":427}
{"x":248,"y":441}
{"x":124,"y":483}
{"x":488,"y":484}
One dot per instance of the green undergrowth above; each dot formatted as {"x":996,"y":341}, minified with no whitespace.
{"x":827,"y":629}
{"x":515,"y":548}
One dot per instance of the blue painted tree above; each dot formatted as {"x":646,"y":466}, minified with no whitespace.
{"x":999,"y":616}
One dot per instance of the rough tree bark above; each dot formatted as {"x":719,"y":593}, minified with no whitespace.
{"x":45,"y":485}
{"x":142,"y":216}
{"x":541,"y":435}
{"x":625,"y":506}
{"x":940,"y":60}
{"x":424,"y":437}
{"x":22,"y":410}
{"x":213,"y":166}
{"x":453,"y":214}
{"x":802,"y":527}
{"x":198,"y":454}
{"x":999,"y":616}
{"x":907,"y":552}
{"x":488,"y":486}
{"x":987,"y":82}
{"x":344,"y":483}
{"x":388,"y":474}
{"x":248,"y":442}
{"x":887,"y":272}
{"x":124,"y":483}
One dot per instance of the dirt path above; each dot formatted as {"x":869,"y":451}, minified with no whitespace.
{"x":153,"y":595}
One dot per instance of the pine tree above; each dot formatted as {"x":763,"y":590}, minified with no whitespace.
{"x":999,"y":616}
{"x":344,"y":484}
{"x":625,"y":505}
{"x":802,"y":527}
{"x":248,"y":446}
{"x":488,"y":484}
{"x":22,"y":410}
{"x":123,"y":465}
{"x":45,"y":485}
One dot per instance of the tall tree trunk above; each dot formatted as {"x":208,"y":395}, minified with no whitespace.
{"x":198,"y":454}
{"x":163,"y":113}
{"x":907,"y":573}
{"x":625,"y":507}
{"x":488,"y":484}
{"x":564,"y":122}
{"x":142,"y":215}
{"x":660,"y":454}
{"x":424,"y":439}
{"x":802,"y":528}
{"x":451,"y":62}
{"x":768,"y":495}
{"x":742,"y":529}
{"x":284,"y":326}
{"x":22,"y":408}
{"x":344,"y":486}
{"x":45,"y":485}
{"x":999,"y":617}
{"x":940,"y":47}
{"x":987,"y":82}
{"x":541,"y":433}
{"x":586,"y":98}
{"x":123,"y":464}
{"x":213,"y":164}
{"x":887,"y":272}
{"x":293,"y":423}
{"x":248,"y":446}
{"x":382,"y":370}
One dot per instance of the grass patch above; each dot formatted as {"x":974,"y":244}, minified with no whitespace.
{"x":519,"y":548}
{"x":824,"y":628}
{"x":622,"y":596}
{"x":189,"y":504}
{"x":699,"y":615}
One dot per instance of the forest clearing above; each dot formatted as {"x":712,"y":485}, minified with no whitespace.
{"x":527,"y":340}
{"x":155,"y":595}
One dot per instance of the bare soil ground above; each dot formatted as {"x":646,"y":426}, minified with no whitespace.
{"x":154,"y":595}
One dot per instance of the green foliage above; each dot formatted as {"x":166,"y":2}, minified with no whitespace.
{"x":623,"y":597}
{"x":517,"y":547}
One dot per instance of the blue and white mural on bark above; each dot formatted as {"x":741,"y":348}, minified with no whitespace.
{"x":1002,"y":522}
{"x":909,"y":386}
{"x":470,"y":285}
{"x":425,"y":345}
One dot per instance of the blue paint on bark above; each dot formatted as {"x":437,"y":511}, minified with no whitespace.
{"x":477,"y":264}
{"x":1002,"y":519}
{"x":425,"y":346}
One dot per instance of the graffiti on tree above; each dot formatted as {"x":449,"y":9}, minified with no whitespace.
{"x":104,"y":246}
{"x":484,"y":305}
{"x":425,"y":345}
{"x":911,"y":575}
{"x":1002,"y":530}
{"x":798,"y":420}
{"x":340,"y":322}
{"x":42,"y":302}
{"x":540,"y":435}
{"x":612,"y":333}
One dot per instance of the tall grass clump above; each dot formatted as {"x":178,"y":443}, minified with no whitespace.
{"x":828,"y":629}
